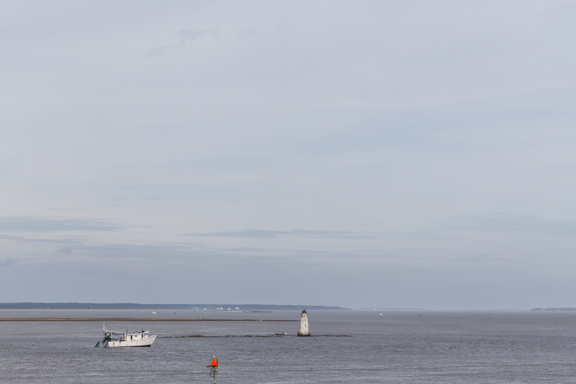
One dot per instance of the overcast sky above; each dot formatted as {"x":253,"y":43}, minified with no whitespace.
{"x":354,"y":153}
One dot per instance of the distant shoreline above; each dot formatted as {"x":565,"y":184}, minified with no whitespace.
{"x":553,"y":310}
{"x":197,"y":307}
{"x":124,"y":319}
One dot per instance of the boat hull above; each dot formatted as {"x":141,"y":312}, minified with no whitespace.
{"x":147,"y":342}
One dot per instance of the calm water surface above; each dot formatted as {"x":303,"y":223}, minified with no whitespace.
{"x":347,"y":347}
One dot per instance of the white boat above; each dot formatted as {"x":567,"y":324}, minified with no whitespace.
{"x":113,"y":339}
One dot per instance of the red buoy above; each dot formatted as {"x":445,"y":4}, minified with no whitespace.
{"x":214,"y":363}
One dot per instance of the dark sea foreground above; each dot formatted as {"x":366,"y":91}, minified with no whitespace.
{"x":347,"y":347}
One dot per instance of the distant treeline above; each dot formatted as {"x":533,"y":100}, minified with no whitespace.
{"x":209,"y":307}
{"x":553,"y":310}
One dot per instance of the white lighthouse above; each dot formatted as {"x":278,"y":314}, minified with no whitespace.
{"x":304,"y":329}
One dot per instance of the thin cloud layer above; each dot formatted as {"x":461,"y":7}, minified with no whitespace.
{"x":191,"y":34}
{"x":260,"y":233}
{"x":40,"y":224}
{"x":523,"y":224}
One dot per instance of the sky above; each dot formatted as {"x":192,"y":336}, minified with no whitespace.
{"x":385,"y":154}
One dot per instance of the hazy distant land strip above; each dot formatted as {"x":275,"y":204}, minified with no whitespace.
{"x":123,"y":319}
{"x":553,"y":310}
{"x":209,"y":307}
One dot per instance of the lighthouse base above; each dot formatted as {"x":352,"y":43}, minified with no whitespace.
{"x":303,"y":334}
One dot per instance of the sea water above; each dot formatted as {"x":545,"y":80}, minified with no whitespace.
{"x":345,"y":347}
